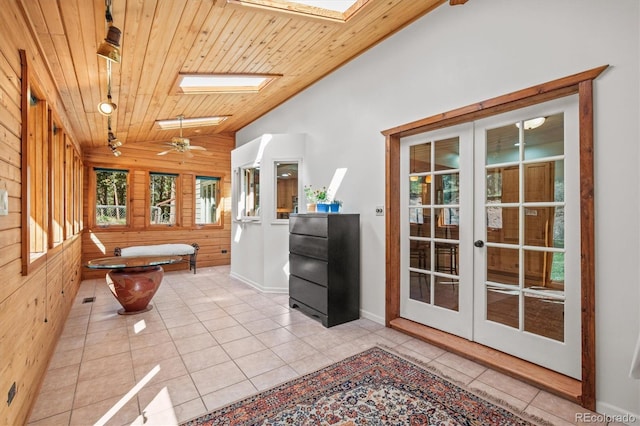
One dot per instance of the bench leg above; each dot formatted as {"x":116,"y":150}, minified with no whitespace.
{"x":192,"y":258}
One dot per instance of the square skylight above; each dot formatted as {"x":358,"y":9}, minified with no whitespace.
{"x":222,"y":83}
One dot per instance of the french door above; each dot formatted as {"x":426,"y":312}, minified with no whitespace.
{"x":490,"y":238}
{"x":437,"y":247}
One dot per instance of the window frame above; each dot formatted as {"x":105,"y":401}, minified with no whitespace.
{"x":78,"y":181}
{"x":242,"y":199}
{"x":178,"y":200}
{"x":218,"y":198}
{"x":34,"y":122}
{"x":298,"y":186}
{"x":68,"y":189}
{"x":57,"y":137}
{"x":93,"y":198}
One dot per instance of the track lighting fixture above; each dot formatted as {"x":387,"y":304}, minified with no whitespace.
{"x":113,"y":142}
{"x":110,"y":47}
{"x":110,"y":50}
{"x":107,"y":107}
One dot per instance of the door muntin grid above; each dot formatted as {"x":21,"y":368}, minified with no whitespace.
{"x":434,"y":219}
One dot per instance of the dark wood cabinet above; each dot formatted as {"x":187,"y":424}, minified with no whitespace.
{"x":324,"y":266}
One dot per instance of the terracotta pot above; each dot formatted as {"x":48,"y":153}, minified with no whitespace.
{"x":311,"y":208}
{"x":134,"y":287}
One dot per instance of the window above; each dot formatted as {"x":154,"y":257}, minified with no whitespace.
{"x":56,"y":184}
{"x":249,"y":192}
{"x":68,"y":188}
{"x":286,"y":189}
{"x":37,"y":171}
{"x":163,"y":205}
{"x":111,"y":197}
{"x":207,"y":200}
{"x":77,"y":193}
{"x":52,"y":177}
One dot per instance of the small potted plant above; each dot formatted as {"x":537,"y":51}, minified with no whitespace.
{"x":311,"y":197}
{"x":335,"y":206}
{"x":322,"y":200}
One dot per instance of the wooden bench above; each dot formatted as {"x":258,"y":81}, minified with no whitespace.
{"x":190,"y":250}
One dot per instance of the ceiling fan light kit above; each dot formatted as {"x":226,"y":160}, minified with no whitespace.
{"x":181,"y":144}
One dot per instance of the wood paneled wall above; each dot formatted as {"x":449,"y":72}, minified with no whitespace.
{"x":139,"y":161}
{"x":33,"y":308}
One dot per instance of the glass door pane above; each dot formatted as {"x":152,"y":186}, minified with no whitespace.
{"x":434,"y":197}
{"x":522,"y":303}
{"x":524,"y":188}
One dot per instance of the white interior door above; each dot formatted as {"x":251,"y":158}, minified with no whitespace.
{"x":490,"y":243}
{"x":527,"y":262}
{"x":436,"y":230}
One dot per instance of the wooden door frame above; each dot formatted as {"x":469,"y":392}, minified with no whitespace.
{"x":582,"y":84}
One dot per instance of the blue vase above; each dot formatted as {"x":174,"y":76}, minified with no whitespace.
{"x":322,"y":208}
{"x":334,"y":208}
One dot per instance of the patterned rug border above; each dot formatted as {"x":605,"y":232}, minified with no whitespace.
{"x":479,"y":393}
{"x":536,"y":420}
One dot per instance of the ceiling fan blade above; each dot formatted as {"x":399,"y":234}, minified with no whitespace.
{"x":165,"y":152}
{"x":197,"y":148}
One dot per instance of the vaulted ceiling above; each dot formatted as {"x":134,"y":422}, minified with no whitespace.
{"x":162,"y":38}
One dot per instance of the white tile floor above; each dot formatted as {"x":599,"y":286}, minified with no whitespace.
{"x":210,"y":340}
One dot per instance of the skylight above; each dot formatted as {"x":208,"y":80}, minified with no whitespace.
{"x":190,"y":122}
{"x":222,"y":83}
{"x":334,"y":10}
{"x":335,"y":5}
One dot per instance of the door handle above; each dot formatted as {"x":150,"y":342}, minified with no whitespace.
{"x":478,"y":243}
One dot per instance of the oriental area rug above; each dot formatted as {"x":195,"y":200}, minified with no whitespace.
{"x":375,"y":387}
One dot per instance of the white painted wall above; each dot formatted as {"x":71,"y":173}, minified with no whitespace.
{"x":460,"y":55}
{"x":260,"y":248}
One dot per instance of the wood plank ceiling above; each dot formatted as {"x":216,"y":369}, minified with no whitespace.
{"x":161,"y":38}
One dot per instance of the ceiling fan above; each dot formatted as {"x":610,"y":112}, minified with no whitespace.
{"x":181,"y":144}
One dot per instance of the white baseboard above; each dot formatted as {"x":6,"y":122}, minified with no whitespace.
{"x":368,"y":315}
{"x":612,"y":414}
{"x":258,"y":286}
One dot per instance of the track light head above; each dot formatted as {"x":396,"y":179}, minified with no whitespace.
{"x":110,"y":47}
{"x":107,"y":107}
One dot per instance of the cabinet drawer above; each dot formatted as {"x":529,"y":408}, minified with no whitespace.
{"x":310,"y":269}
{"x":308,"y":225}
{"x":310,"y":294}
{"x":307,"y":245}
